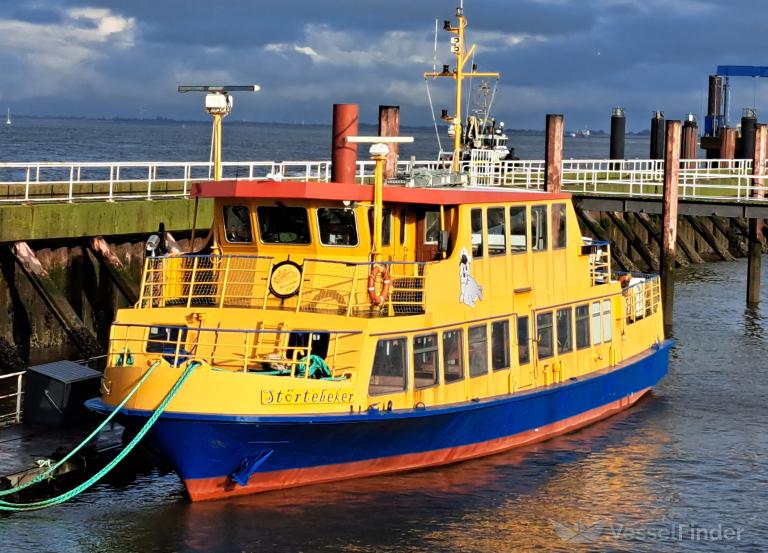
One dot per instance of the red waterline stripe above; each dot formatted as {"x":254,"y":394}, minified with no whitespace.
{"x":219,"y":487}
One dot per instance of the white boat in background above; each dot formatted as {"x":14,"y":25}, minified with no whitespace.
{"x":582,"y":133}
{"x":8,"y":117}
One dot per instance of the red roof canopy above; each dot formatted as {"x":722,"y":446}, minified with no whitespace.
{"x":336,"y":191}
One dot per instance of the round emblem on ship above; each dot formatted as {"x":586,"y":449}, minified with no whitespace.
{"x":285,"y":280}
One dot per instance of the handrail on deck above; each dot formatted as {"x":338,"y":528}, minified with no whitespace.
{"x":267,"y":351}
{"x":326,"y":286}
{"x":16,"y":397}
{"x":643,"y":298}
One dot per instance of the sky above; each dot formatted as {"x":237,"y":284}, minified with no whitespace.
{"x":125,"y":58}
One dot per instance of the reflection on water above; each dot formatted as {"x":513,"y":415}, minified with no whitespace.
{"x":694,"y":453}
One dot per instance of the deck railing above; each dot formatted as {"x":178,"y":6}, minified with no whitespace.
{"x":11,"y":395}
{"x":643,"y":298}
{"x":333,"y":287}
{"x":268,"y":351}
{"x":707,"y":179}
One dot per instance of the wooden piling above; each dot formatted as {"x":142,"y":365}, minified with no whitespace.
{"x":727,"y":143}
{"x":389,"y":125}
{"x":645,"y":220}
{"x":755,"y":247}
{"x":669,"y":218}
{"x":736,"y":245}
{"x":82,"y":337}
{"x":621,"y":259}
{"x":709,"y":238}
{"x":114,"y":268}
{"x":648,"y":257}
{"x":553,"y":153}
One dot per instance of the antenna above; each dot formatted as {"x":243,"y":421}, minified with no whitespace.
{"x":218,"y":104}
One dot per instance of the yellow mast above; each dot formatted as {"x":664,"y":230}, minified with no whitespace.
{"x":462,"y":56}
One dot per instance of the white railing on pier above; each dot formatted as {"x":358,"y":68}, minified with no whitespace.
{"x":50,"y":182}
{"x":11,"y":395}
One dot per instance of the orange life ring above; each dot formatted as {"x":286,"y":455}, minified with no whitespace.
{"x":378,"y":299}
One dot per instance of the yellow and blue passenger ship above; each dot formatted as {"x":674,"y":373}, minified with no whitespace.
{"x":483,"y":322}
{"x":338,"y":330}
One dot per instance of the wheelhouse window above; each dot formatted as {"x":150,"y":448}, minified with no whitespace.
{"x":389,"y":373}
{"x":337,"y":226}
{"x":544,"y":335}
{"x":539,"y":227}
{"x":523,"y":341}
{"x":597,"y":333}
{"x":426,"y":361}
{"x":518,"y":239}
{"x":237,"y":224}
{"x":453,"y":355}
{"x":582,"y":326}
{"x":500,"y":345}
{"x":564,"y":330}
{"x":607,"y":326}
{"x":477,"y":232}
{"x":431,"y":227}
{"x":497,"y":233}
{"x":558,"y":226}
{"x":164,"y":339}
{"x":478,"y":350}
{"x":283,"y":225}
{"x":386,"y":227}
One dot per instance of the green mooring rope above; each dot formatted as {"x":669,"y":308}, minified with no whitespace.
{"x":52,"y":469}
{"x":13,"y":507}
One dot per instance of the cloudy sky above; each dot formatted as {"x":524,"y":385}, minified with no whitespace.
{"x":577,"y":57}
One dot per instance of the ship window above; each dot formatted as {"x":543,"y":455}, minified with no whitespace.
{"x":389,"y":367}
{"x":425,"y":361}
{"x":237,"y":223}
{"x":596,"y":331}
{"x":431,"y":227}
{"x":163,"y":339}
{"x":523,"y":341}
{"x":539,"y":227}
{"x":607,"y":326}
{"x":544,"y":335}
{"x":283,"y":225}
{"x":403,"y":221}
{"x":582,"y":326}
{"x":558,"y":226}
{"x":478,"y":350}
{"x":497,"y":233}
{"x":564,"y":330}
{"x":338,"y":226}
{"x":500,"y":345}
{"x":477,"y":232}
{"x":386,"y":226}
{"x":517,"y":229}
{"x":453,"y":355}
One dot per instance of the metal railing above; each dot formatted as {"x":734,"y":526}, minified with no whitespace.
{"x":333,"y":287}
{"x":267,"y":351}
{"x":643,"y":298}
{"x":599,"y":260}
{"x":11,"y":402}
{"x":96,"y":181}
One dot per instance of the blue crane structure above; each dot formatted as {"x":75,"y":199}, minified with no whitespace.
{"x":718,"y":117}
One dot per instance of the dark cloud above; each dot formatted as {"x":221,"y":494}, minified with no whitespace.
{"x":125,"y":57}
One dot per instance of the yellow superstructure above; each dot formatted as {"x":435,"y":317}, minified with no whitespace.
{"x":490,"y":292}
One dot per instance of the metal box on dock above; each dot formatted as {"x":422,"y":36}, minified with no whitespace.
{"x":55,"y":392}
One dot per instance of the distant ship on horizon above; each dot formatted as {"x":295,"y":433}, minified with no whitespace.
{"x":8,"y":117}
{"x":581,"y":133}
